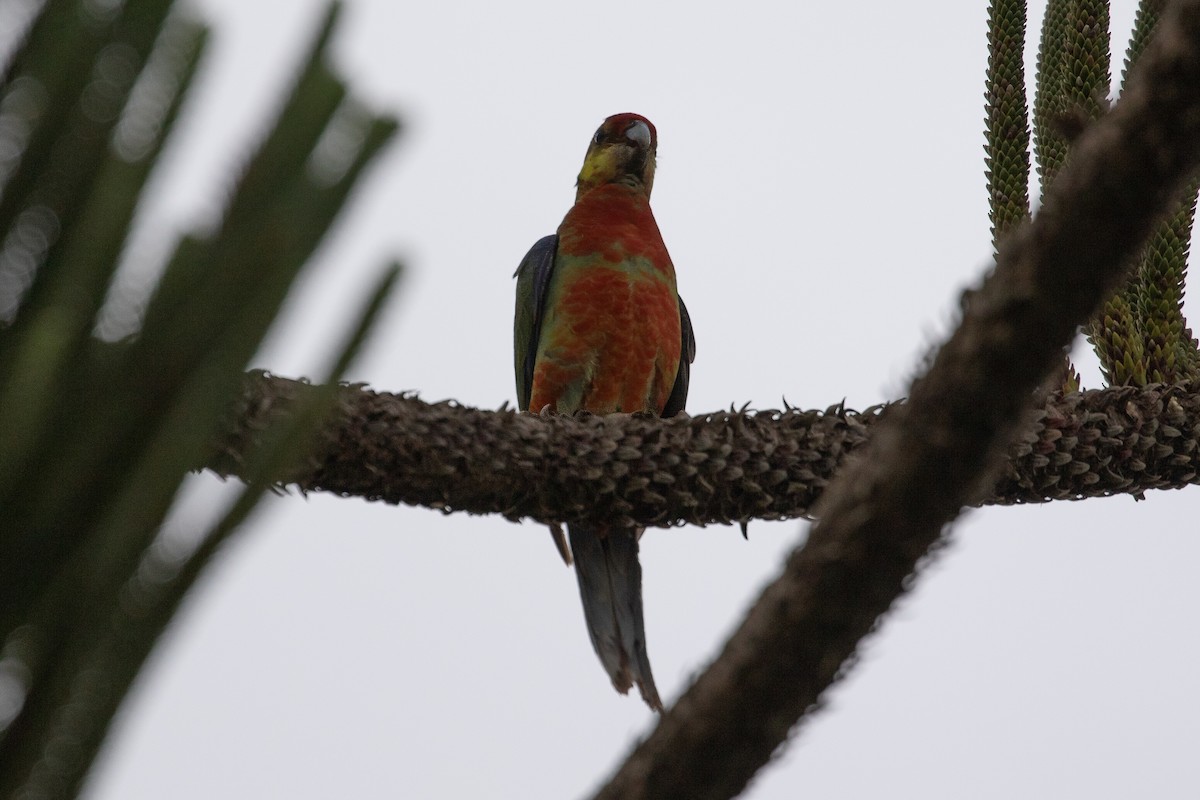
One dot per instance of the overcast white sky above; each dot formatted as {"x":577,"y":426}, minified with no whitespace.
{"x":821,"y":191}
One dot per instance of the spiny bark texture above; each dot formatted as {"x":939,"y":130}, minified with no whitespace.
{"x":717,"y":468}
{"x":1170,"y":353}
{"x":1049,"y":143}
{"x":1006,"y":120}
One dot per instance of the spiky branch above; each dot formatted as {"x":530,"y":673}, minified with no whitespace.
{"x":716,"y":468}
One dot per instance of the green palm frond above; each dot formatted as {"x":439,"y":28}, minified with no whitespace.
{"x":1140,"y":334}
{"x":1149,"y":307}
{"x":1049,"y":103}
{"x":98,"y":436}
{"x":1007,"y":118}
{"x":1155,"y":290}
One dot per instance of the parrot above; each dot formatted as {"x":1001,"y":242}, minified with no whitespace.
{"x":599,"y":327}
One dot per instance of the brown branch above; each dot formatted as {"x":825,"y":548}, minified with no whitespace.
{"x":944,"y":447}
{"x":717,"y":468}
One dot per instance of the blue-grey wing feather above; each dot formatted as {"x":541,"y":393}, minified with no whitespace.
{"x":533,"y":281}
{"x":687,"y":354}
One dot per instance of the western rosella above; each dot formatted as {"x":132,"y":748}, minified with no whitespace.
{"x":600,"y":328}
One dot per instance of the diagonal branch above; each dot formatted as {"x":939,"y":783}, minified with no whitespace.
{"x":717,"y":468}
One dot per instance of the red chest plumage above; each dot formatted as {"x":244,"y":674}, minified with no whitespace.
{"x":611,"y":337}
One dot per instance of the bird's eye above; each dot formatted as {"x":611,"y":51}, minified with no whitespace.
{"x":599,"y":137}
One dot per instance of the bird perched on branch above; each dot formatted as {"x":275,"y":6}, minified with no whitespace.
{"x":600,"y":328}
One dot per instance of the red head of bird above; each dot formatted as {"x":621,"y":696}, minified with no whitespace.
{"x":622,"y":151}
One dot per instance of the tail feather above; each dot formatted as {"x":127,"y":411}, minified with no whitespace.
{"x":610,"y":585}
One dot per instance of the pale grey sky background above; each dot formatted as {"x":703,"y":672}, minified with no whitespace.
{"x":821,"y":191}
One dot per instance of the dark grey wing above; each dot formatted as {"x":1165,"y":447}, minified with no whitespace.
{"x":533,"y":280}
{"x":687,"y":354}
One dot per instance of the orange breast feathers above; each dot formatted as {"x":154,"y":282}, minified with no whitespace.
{"x":611,"y":337}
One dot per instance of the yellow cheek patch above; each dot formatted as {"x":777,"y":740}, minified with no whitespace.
{"x":598,"y":167}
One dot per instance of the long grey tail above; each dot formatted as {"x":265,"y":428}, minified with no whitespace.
{"x":610,"y":584}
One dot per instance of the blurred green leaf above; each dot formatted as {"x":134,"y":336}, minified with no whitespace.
{"x":98,"y":436}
